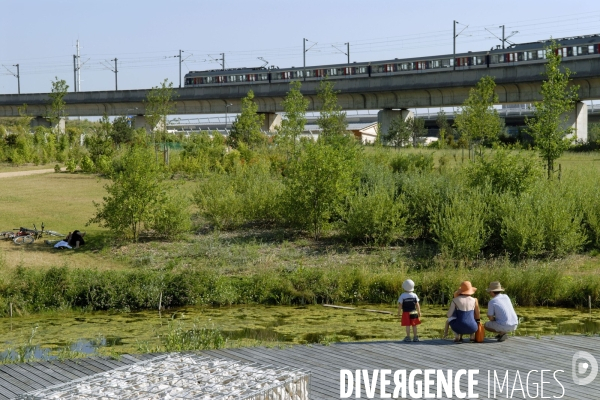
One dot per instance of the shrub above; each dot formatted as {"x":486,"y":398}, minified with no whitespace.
{"x":460,"y":225}
{"x":171,"y":217}
{"x":317,"y":185}
{"x":71,"y":165}
{"x":505,"y":171}
{"x":375,"y":214}
{"x":424,"y":194}
{"x":248,"y":193}
{"x":87,"y":165}
{"x":544,"y":221}
{"x":412,"y":163}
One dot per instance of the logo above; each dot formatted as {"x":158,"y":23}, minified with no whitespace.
{"x":579,"y":368}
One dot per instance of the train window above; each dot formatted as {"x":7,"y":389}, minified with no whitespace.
{"x":446,"y":63}
{"x":479,"y":60}
{"x":591,"y":49}
{"x":569,"y":52}
{"x":362,"y":70}
{"x":308,"y":73}
{"x":520,"y":57}
{"x":436,"y":63}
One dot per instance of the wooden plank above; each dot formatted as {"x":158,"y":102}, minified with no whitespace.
{"x":31,"y":373}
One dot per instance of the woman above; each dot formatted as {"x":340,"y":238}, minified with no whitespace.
{"x":464,"y":312}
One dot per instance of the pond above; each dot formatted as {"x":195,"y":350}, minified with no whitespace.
{"x":68,"y":334}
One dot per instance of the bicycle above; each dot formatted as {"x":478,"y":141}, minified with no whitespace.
{"x":28,"y":236}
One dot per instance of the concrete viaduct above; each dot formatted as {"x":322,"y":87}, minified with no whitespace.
{"x":441,"y":88}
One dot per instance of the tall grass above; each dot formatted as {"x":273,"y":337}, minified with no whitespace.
{"x":61,"y":288}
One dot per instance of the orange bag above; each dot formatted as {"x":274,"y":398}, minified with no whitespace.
{"x":480,"y":334}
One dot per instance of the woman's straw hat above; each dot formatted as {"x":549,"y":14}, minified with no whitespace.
{"x":408,"y":285}
{"x":495,"y":287}
{"x":466,"y":288}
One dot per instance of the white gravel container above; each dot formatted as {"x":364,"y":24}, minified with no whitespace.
{"x":185,"y":376}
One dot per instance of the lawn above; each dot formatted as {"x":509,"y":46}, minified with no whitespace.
{"x":63,"y":202}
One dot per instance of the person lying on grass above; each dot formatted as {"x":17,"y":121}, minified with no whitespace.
{"x":72,"y":241}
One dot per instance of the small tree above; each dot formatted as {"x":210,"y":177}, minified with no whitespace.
{"x":122,"y":132}
{"x":399,"y":132}
{"x":477,"y":119}
{"x":417,"y":129}
{"x":292,"y":124}
{"x":159,"y":105}
{"x":444,"y":125}
{"x":139,"y":199}
{"x":247,"y":126}
{"x":548,"y":126}
{"x":317,"y":184}
{"x":57,"y":102}
{"x":332,"y":119}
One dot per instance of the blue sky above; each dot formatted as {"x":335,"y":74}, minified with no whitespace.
{"x":144,"y":35}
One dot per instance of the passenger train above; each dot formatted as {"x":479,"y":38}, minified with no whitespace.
{"x":518,"y":54}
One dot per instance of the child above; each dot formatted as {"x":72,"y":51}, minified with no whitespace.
{"x":408,"y":302}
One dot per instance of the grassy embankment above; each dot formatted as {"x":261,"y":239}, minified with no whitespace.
{"x":247,"y":266}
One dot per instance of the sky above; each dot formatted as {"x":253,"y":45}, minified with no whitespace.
{"x":145,"y":35}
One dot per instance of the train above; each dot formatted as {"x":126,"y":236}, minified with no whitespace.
{"x":516,"y":54}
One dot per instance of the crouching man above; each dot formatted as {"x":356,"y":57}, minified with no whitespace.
{"x":501,"y":313}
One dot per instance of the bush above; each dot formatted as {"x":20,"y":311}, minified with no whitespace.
{"x":460,"y":226}
{"x":317,"y":185}
{"x":138,"y":199}
{"x":505,"y":171}
{"x":412,"y":163}
{"x":543,"y":222}
{"x":375,"y":213}
{"x":248,"y":193}
{"x":424,"y":194}
{"x":171,"y":217}
{"x":87,"y":165}
{"x":71,"y":165}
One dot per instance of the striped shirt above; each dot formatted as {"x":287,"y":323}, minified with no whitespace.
{"x":501,"y":308}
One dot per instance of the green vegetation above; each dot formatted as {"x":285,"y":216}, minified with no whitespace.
{"x":478,"y":120}
{"x":548,"y":127}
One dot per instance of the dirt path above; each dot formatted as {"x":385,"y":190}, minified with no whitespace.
{"x":25,"y":173}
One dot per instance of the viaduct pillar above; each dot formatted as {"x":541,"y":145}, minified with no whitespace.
{"x":141,"y":122}
{"x":272,"y":122}
{"x":385,"y":117}
{"x":43,"y":121}
{"x":578,"y":120}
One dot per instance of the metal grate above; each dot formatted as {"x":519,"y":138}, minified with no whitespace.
{"x":185,"y":376}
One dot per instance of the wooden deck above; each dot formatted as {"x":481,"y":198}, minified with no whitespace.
{"x":522,"y":354}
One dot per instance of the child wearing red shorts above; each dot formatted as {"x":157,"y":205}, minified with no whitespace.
{"x":408,"y":304}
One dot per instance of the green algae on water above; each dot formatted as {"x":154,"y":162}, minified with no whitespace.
{"x":71,"y":334}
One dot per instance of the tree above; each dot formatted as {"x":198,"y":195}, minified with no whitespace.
{"x":122,"y":132}
{"x":159,"y":105}
{"x":549,"y":124}
{"x":247,"y":126}
{"x":477,"y":119}
{"x":399,"y":132}
{"x":444,"y":125}
{"x":417,"y":129}
{"x":139,"y":199}
{"x":57,"y":103}
{"x":292,"y":124}
{"x":332,"y":120}
{"x":99,"y":142}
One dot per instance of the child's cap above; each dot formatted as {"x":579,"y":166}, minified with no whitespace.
{"x":408,"y":285}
